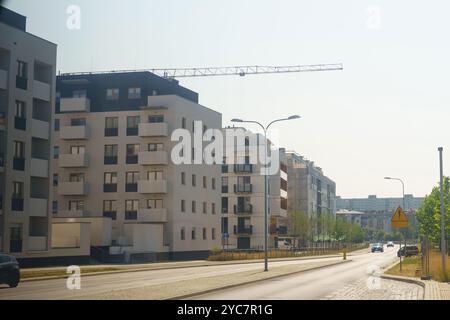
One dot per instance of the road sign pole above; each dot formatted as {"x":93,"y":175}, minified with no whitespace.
{"x":441,"y":174}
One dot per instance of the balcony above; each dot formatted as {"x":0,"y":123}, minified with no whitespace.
{"x":152,"y":215}
{"x":75,"y":105}
{"x":38,"y":207}
{"x":73,"y":160}
{"x":40,"y":129}
{"x":73,"y":188}
{"x":153,"y":158}
{"x":71,"y":214}
{"x":39,"y":168}
{"x":242,"y":230}
{"x":245,"y":209}
{"x":243,"y":188}
{"x":3,"y":79}
{"x":152,"y":186}
{"x":41,"y":90}
{"x":74,"y":132}
{"x":153,"y":129}
{"x":37,"y":243}
{"x":243,"y":168}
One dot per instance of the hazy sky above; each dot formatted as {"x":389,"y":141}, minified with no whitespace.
{"x":385,"y":114}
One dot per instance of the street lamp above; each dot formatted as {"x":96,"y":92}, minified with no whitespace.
{"x":266,"y":199}
{"x":404,"y":208}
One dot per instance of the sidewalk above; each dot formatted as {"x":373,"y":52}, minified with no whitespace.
{"x":90,"y":270}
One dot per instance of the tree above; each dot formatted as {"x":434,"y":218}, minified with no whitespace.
{"x":299,"y":226}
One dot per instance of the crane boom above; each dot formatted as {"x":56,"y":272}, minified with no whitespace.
{"x":171,"y":73}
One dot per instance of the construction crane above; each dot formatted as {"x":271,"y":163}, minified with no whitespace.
{"x":172,"y":73}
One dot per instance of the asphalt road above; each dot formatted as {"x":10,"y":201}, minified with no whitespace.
{"x":310,"y":285}
{"x":91,"y":285}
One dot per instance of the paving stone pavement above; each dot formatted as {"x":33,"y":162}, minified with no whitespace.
{"x":380,"y":289}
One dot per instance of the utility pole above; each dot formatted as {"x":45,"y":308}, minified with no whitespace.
{"x":441,"y":174}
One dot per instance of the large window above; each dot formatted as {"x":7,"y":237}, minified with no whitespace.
{"x":77,"y":149}
{"x":156,"y":118}
{"x":131,"y":208}
{"x":20,"y":121}
{"x":77,"y":205}
{"x":78,"y":122}
{"x":76,"y":177}
{"x":111,"y":126}
{"x":109,"y":209}
{"x":155,"y":204}
{"x":155,"y":175}
{"x":17,"y":191}
{"x":132,"y":153}
{"x":19,"y":156}
{"x":133,"y":125}
{"x":22,"y":69}
{"x":155,"y":147}
{"x":112,"y":94}
{"x":110,"y":154}
{"x":134,"y":93}
{"x":132,"y":178}
{"x":110,"y":182}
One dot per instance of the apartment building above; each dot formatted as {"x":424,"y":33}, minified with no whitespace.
{"x":374,"y":204}
{"x":113,"y":168}
{"x":243,"y":200}
{"x":310,"y":191}
{"x":27,"y":82}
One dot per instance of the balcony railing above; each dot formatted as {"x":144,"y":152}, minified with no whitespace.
{"x":130,"y":215}
{"x":110,"y":214}
{"x":81,"y":104}
{"x":153,"y":158}
{"x":243,"y":168}
{"x":19,"y":164}
{"x":110,"y":160}
{"x":243,"y":188}
{"x":245,"y":209}
{"x":110,"y":187}
{"x":243,"y":230}
{"x":153,"y":129}
{"x":20,"y":123}
{"x":17,"y":204}
{"x":131,"y":187}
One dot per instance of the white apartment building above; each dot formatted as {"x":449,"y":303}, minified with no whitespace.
{"x":113,"y":168}
{"x":243,"y":201}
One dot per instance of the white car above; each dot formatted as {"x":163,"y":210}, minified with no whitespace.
{"x":390,"y":244}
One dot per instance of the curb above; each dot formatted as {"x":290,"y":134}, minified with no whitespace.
{"x":175,"y":267}
{"x":189,"y":295}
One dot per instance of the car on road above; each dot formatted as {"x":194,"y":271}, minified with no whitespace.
{"x":9,"y":270}
{"x":390,"y":244}
{"x":408,"y":251}
{"x":377,"y":247}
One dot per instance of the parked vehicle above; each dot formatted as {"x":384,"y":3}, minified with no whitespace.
{"x":377,"y":247}
{"x":390,"y":244}
{"x":408,"y":251}
{"x":9,"y":270}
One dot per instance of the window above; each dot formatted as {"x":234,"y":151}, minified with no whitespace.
{"x":194,"y":180}
{"x":75,"y":122}
{"x":155,"y":204}
{"x":183,"y":123}
{"x":56,"y":124}
{"x":204,"y":182}
{"x":183,"y":233}
{"x":111,"y":126}
{"x":204,"y":128}
{"x":76,"y":177}
{"x":213,"y":233}
{"x":132,"y":153}
{"x":22,"y":69}
{"x":224,"y":225}
{"x":213,"y":183}
{"x":193,"y":234}
{"x":131,"y":208}
{"x":17,"y":192}
{"x":155,"y":147}
{"x":183,"y":206}
{"x":183,"y":178}
{"x":156,"y":119}
{"x":224,"y":204}
{"x":109,"y":209}
{"x":133,"y":125}
{"x":134,"y":93}
{"x":110,"y":154}
{"x":20,"y":111}
{"x":55,"y":152}
{"x":132,"y":178}
{"x":77,"y":205}
{"x":224,"y":184}
{"x":77,"y":149}
{"x":194,"y":206}
{"x":213,"y":208}
{"x":54,"y":207}
{"x":155,"y":175}
{"x":55,"y":179}
{"x":204,"y":207}
{"x":110,"y":178}
{"x":112,"y":94}
{"x":19,"y":150}
{"x":204,"y":234}
{"x":81,"y":93}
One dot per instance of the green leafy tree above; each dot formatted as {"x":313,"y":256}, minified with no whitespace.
{"x":299,"y":227}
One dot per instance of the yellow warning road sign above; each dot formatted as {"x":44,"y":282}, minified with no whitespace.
{"x":399,"y":219}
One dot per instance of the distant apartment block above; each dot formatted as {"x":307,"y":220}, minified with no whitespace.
{"x":113,"y":168}
{"x":310,"y":191}
{"x":243,"y":202}
{"x":374,"y":204}
{"x":27,"y":82}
